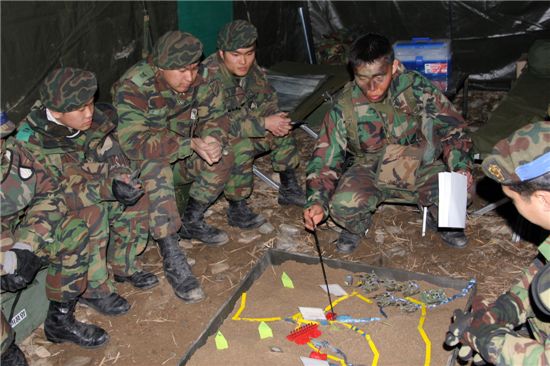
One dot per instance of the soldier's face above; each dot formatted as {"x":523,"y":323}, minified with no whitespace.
{"x":374,"y":79}
{"x":535,"y":208}
{"x":240,"y":61}
{"x":180,"y":80}
{"x":79,"y":119}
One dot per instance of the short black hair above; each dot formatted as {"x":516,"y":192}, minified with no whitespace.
{"x":527,"y":188}
{"x":369,"y":48}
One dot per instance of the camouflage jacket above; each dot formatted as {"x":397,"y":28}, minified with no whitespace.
{"x":27,"y":189}
{"x":244,"y":101}
{"x":84,"y":162}
{"x":419,"y":114}
{"x":515,"y":308}
{"x":155,"y":123}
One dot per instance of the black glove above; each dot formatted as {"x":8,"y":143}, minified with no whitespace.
{"x":28,"y":264}
{"x":461,"y":321}
{"x":126,"y":193}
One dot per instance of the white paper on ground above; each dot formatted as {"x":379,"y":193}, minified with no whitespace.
{"x":313,"y":362}
{"x":312,"y":313}
{"x":453,"y":195}
{"x":335,"y":289}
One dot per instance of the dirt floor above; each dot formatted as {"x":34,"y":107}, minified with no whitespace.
{"x":159,"y":328}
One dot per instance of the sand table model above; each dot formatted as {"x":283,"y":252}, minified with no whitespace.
{"x":379,"y":321}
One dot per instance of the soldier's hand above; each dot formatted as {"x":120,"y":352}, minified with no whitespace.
{"x":278,"y":124}
{"x":209,"y":149}
{"x":127,"y":189}
{"x":461,"y":321}
{"x":313,"y":216}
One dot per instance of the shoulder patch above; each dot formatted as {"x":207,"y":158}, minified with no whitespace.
{"x":24,"y":132}
{"x":143,"y":75}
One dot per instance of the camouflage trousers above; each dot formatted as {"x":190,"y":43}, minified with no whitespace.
{"x":65,"y":247}
{"x":283,"y":153}
{"x":160,"y":197}
{"x":7,"y":336}
{"x":356,"y":197}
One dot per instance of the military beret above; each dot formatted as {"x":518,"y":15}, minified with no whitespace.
{"x":522,"y":156}
{"x":67,"y":89}
{"x":237,"y":34}
{"x":176,"y":49}
{"x":6,"y":126}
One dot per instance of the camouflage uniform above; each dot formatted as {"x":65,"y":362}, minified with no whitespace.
{"x":155,"y":128}
{"x":491,"y":333}
{"x":86,"y":162}
{"x":414,"y":113}
{"x":244,"y":102}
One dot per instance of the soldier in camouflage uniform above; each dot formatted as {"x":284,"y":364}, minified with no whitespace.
{"x":385,"y":109}
{"x":77,"y":144}
{"x":157,"y":105}
{"x":521,"y":163}
{"x":237,"y":89}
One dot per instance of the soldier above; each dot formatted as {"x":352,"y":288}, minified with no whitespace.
{"x":521,"y":163}
{"x":238,"y":89}
{"x":398,"y":132}
{"x":36,"y":233}
{"x":159,"y":129}
{"x":77,"y":144}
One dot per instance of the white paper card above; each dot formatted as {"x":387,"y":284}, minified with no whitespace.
{"x":312,"y":313}
{"x":313,"y":362}
{"x":335,"y":289}
{"x":453,"y":195}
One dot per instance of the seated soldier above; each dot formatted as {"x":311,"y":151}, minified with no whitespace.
{"x":237,"y":89}
{"x":159,"y":131}
{"x":77,"y":144}
{"x":521,"y":163}
{"x":36,"y":233}
{"x":388,"y":135}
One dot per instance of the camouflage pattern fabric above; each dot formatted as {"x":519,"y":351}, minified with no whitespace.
{"x":7,"y":336}
{"x":513,"y":157}
{"x":236,"y":34}
{"x":67,"y":89}
{"x":425,"y":118}
{"x":86,"y":163}
{"x":491,"y":332}
{"x":155,"y":126}
{"x":176,"y":49}
{"x":239,"y":107}
{"x":40,"y":222}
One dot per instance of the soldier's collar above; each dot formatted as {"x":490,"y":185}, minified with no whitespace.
{"x":544,"y":249}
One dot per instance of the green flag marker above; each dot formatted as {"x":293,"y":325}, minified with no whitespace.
{"x":265,"y":331}
{"x":287,"y":282}
{"x":221,"y":342}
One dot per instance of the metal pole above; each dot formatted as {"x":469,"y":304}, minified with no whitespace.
{"x":307,"y":37}
{"x":264,"y":177}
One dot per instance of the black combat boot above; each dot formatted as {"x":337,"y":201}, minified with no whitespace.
{"x":194,"y":226}
{"x":290,"y":192}
{"x":112,"y":304}
{"x":240,"y":215}
{"x":13,"y":356}
{"x":347,"y":242}
{"x":455,"y":238}
{"x":178,"y":272}
{"x":61,"y":326}
{"x":142,"y":280}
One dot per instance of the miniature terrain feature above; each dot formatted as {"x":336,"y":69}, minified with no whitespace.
{"x":413,"y":318}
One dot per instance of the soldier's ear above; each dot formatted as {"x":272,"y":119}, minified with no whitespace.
{"x":56,"y":115}
{"x":544,"y":199}
{"x":220,"y":52}
{"x":394,"y":66}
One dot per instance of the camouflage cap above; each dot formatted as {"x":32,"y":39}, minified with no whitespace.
{"x":237,"y":34}
{"x":6,"y":126}
{"x":176,"y":49}
{"x":522,"y":156}
{"x":67,"y":89}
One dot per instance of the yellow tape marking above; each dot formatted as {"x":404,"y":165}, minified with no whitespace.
{"x":421,"y":330}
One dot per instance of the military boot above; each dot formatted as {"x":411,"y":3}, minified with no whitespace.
{"x":61,"y":326}
{"x":347,"y":242}
{"x":178,"y":272}
{"x":290,"y":192}
{"x":112,"y":304}
{"x":194,"y":226}
{"x":13,"y":356}
{"x":240,"y":215}
{"x":455,"y":238}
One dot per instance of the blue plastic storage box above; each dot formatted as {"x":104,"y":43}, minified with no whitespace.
{"x":430,"y":57}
